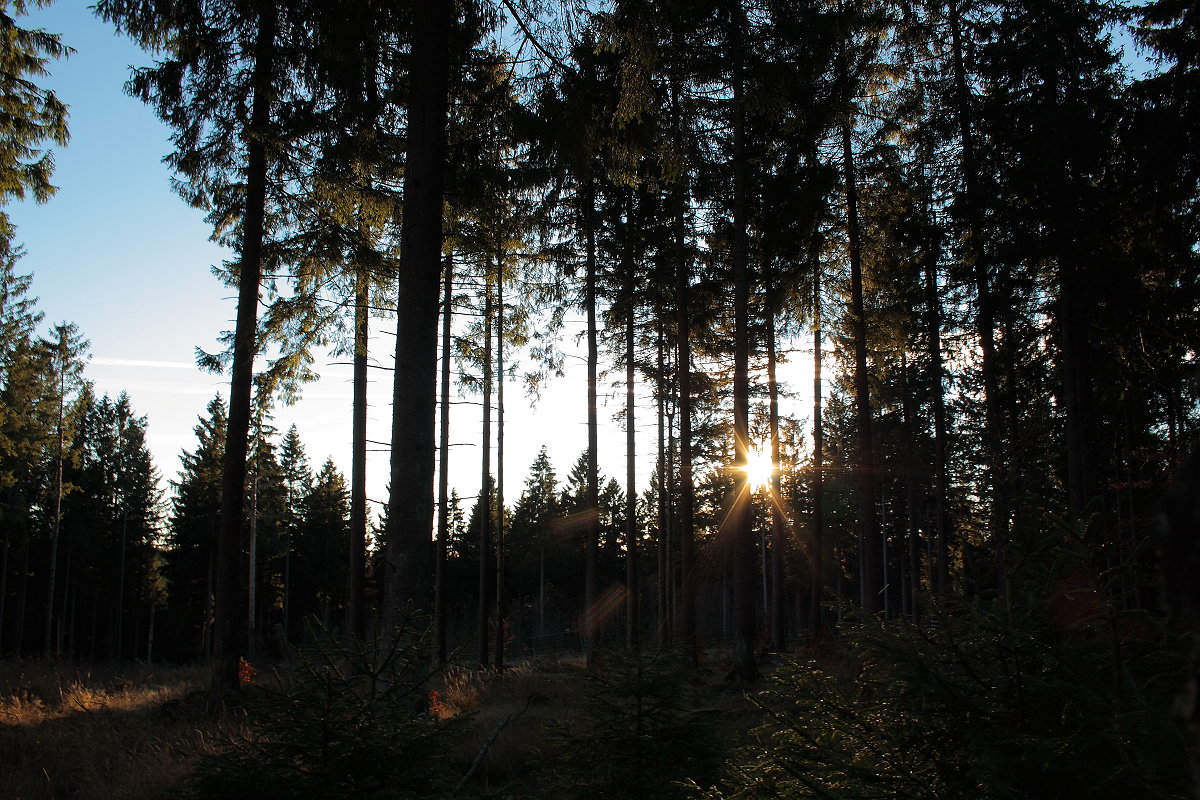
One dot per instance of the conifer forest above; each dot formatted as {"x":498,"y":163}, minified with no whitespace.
{"x":959,"y":559}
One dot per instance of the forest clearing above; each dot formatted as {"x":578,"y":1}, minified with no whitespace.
{"x":883,"y":322}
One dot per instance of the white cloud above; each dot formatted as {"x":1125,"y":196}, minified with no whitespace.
{"x":104,"y":361}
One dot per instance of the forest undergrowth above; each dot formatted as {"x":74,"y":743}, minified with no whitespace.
{"x":1045,"y":694}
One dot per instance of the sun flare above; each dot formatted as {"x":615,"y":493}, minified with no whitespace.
{"x":758,"y":469}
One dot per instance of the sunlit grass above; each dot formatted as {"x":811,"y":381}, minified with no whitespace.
{"x":128,"y":731}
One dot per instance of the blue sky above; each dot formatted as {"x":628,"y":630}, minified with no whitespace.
{"x":117,"y":252}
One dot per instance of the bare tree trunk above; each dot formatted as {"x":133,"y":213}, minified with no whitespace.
{"x":485,"y":481}
{"x":356,"y":606}
{"x":443,"y":529}
{"x":939,"y":568}
{"x":408,"y":544}
{"x":741,"y":514}
{"x":683,"y":370}
{"x":4,"y":587}
{"x":664,"y":499}
{"x":778,"y":522}
{"x":501,"y":618}
{"x":592,"y":528}
{"x":58,"y":495}
{"x":18,"y":646}
{"x":869,"y":545}
{"x":818,"y":473}
{"x":631,"y":542}
{"x":228,"y":638}
{"x":985,"y":316}
{"x":121,"y":584}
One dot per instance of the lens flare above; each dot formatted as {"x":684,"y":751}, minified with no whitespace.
{"x":758,"y":469}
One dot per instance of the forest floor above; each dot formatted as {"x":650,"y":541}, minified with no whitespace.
{"x":134,"y":731}
{"x":106,"y":731}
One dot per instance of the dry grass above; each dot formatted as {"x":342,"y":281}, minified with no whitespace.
{"x":507,"y":713}
{"x":118,"y":732}
{"x":135,"y":732}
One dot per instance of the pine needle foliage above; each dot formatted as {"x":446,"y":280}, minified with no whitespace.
{"x":1060,"y":695}
{"x":639,"y":734}
{"x":347,"y":719}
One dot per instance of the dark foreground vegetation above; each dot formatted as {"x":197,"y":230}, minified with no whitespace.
{"x":1057,"y":696}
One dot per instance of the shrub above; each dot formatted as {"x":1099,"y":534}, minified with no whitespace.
{"x":348,"y":719}
{"x":637,"y":734}
{"x":1053,"y":694}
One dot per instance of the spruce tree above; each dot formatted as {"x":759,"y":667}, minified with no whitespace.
{"x":32,"y":115}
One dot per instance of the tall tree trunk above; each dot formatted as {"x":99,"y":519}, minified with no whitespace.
{"x":683,"y":371}
{"x":356,"y":606}
{"x":410,"y":510}
{"x":910,"y":590}
{"x":817,"y":558}
{"x":4,"y":588}
{"x":870,"y":547}
{"x":485,"y":483}
{"x":18,"y":646}
{"x":778,"y":522}
{"x":741,"y":514}
{"x":58,"y":495}
{"x":632,"y":596}
{"x":501,"y":618}
{"x":664,"y":497}
{"x":985,"y":315}
{"x":939,"y":570}
{"x":252,"y":569}
{"x":150,"y":635}
{"x":592,"y":527}
{"x":120,"y":635}
{"x":228,"y":638}
{"x":443,"y":528}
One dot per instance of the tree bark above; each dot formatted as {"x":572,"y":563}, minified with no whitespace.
{"x":410,"y":511}
{"x":940,"y":561}
{"x":631,"y":543}
{"x":443,"y":529}
{"x":592,"y":527}
{"x":870,"y":547}
{"x":985,"y":316}
{"x":741,"y":514}
{"x":356,"y":605}
{"x":485,"y":487}
{"x":683,"y":370}
{"x":501,"y":620}
{"x":58,"y":495}
{"x":228,"y":638}
{"x":818,"y":474}
{"x":778,"y":522}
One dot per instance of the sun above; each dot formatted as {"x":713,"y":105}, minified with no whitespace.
{"x":759,"y":468}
